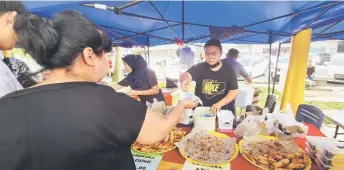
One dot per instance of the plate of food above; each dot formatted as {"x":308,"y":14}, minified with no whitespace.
{"x":163,"y":146}
{"x":267,"y":152}
{"x":208,"y":148}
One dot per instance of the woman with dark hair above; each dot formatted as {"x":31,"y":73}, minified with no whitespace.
{"x":69,"y":122}
{"x":141,"y":80}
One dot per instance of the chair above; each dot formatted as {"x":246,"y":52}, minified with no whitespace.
{"x":271,"y":102}
{"x":310,"y":114}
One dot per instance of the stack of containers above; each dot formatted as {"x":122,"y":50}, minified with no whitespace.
{"x":328,"y":153}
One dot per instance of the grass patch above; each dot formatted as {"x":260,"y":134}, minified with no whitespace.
{"x":263,"y":95}
{"x":319,"y":104}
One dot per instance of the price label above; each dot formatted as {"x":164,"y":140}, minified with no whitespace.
{"x":146,"y":161}
{"x":191,"y":166}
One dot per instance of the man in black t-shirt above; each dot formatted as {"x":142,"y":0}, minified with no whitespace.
{"x":216,"y":82}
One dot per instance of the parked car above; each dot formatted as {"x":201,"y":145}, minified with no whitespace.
{"x":324,"y":57}
{"x":283,"y":64}
{"x":255,"y":66}
{"x":336,"y":67}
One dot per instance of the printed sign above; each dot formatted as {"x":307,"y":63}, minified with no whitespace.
{"x":191,"y":166}
{"x":146,"y":161}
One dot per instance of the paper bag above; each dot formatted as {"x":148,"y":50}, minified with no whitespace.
{"x":157,"y":107}
{"x":186,"y":95}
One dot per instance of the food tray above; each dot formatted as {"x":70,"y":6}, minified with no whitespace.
{"x":234,"y":155}
{"x":308,"y":167}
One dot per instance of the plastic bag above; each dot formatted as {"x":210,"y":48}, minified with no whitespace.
{"x":287,"y":118}
{"x":249,"y":127}
{"x":157,"y":107}
{"x":186,"y":95}
{"x":268,"y":122}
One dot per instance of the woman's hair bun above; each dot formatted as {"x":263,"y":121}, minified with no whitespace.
{"x":37,"y":37}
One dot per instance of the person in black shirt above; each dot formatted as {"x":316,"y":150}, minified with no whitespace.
{"x":68,"y":121}
{"x":216,"y":82}
{"x":141,"y":80}
{"x":310,"y":70}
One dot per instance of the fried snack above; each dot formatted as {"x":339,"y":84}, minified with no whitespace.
{"x":291,"y":156}
{"x":299,"y":155}
{"x":281,"y":163}
{"x":296,"y":166}
{"x":274,"y":154}
{"x":297,"y":161}
{"x":167,"y":143}
{"x":305,"y":159}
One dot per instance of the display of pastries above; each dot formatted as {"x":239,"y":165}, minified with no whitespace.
{"x":274,"y":154}
{"x":201,"y":147}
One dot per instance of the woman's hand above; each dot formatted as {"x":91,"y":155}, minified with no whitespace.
{"x":189,"y":104}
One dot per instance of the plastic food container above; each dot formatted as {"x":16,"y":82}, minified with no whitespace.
{"x":330,"y":162}
{"x":335,"y":152}
{"x":204,"y":118}
{"x":310,"y":151}
{"x":186,"y":118}
{"x":225,"y":120}
{"x":322,"y":166}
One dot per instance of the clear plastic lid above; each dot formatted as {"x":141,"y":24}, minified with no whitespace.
{"x":310,"y":153}
{"x":323,"y":166}
{"x":318,"y":141}
{"x":335,"y":151}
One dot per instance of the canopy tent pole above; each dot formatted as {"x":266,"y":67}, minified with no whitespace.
{"x":331,"y":26}
{"x":294,"y":89}
{"x":145,"y":33}
{"x":129,"y":4}
{"x":163,"y":18}
{"x":269,"y":77}
{"x":183,"y":26}
{"x":274,"y":80}
{"x":316,"y":17}
{"x":148,"y":43}
{"x":118,"y":65}
{"x":151,"y":36}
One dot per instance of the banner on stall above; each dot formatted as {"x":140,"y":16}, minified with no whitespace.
{"x":191,"y":166}
{"x":146,"y":161}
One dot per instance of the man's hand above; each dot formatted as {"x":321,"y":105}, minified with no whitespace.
{"x":133,"y":93}
{"x":185,"y":78}
{"x":215,"y":107}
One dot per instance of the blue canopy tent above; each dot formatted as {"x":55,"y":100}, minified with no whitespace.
{"x":152,"y":23}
